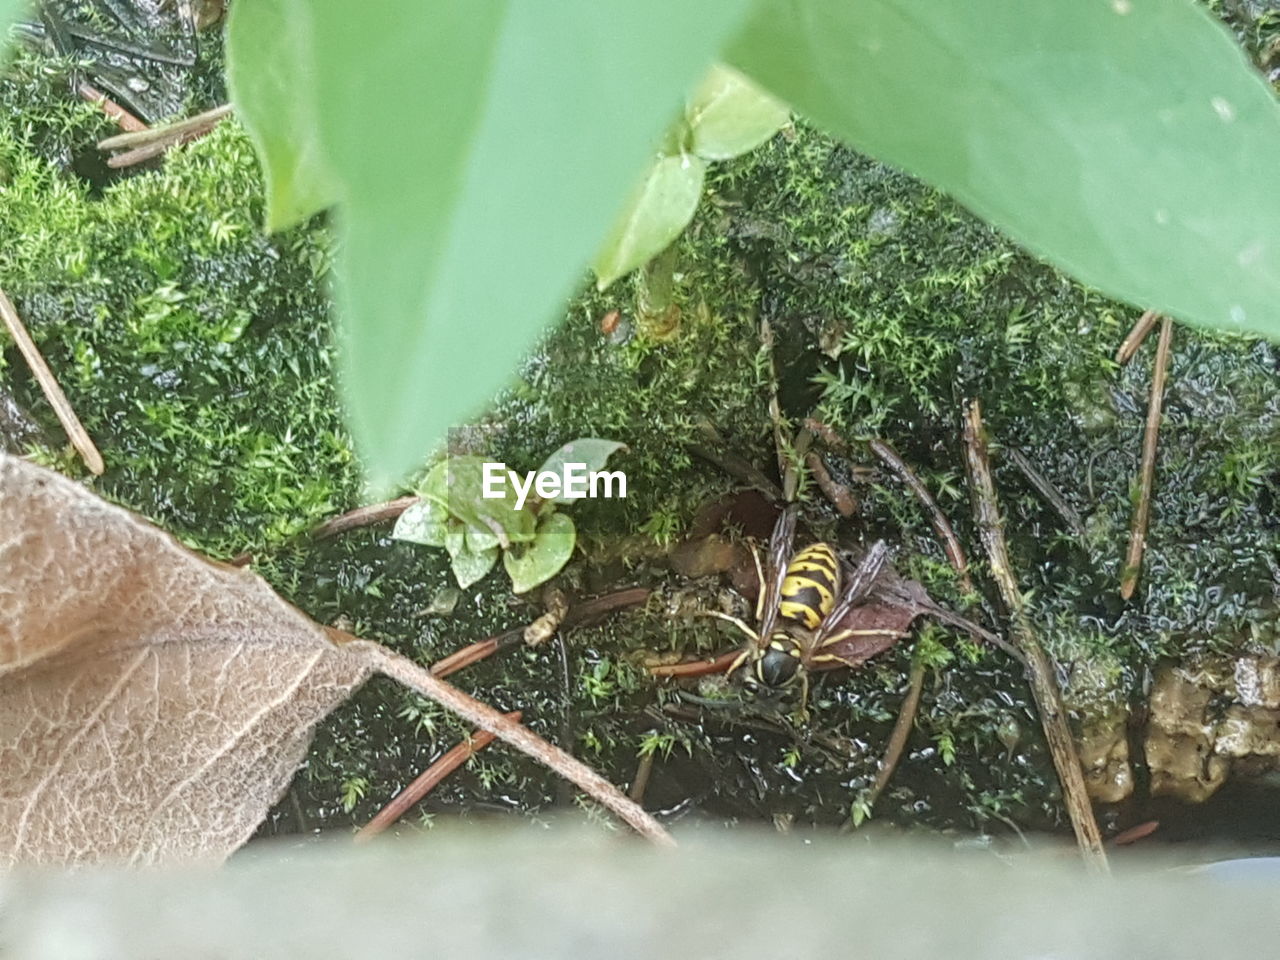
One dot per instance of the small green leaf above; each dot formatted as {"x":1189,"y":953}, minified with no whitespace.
{"x":424,"y":522}
{"x":654,"y":215}
{"x":1126,"y":140}
{"x":730,"y":115}
{"x":459,"y":482}
{"x":591,"y":452}
{"x":468,"y":566}
{"x":545,"y":557}
{"x":269,"y":73}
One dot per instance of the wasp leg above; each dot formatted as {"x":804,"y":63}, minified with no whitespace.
{"x":847,"y":634}
{"x":730,"y":619}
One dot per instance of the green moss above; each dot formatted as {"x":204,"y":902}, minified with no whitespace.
{"x":199,"y":353}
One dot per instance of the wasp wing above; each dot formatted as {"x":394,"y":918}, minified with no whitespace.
{"x":780,"y":546}
{"x":856,"y":588}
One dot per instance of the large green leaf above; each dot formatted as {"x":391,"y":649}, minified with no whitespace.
{"x":268,"y":70}
{"x":1126,"y":140}
{"x":482,"y":149}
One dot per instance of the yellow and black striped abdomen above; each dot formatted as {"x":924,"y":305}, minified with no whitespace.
{"x":811,"y":585}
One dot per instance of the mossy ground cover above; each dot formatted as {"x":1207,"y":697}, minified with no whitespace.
{"x":200,"y":355}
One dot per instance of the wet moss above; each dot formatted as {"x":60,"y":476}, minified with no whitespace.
{"x":199,"y":354}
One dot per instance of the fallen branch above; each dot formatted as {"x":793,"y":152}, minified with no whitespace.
{"x":1129,"y":346}
{"x":941,"y":526}
{"x":427,"y":781}
{"x":1040,"y":668}
{"x":901,"y":731}
{"x":1142,"y":512}
{"x":405,"y":671}
{"x":53,"y":393}
{"x":122,"y":117}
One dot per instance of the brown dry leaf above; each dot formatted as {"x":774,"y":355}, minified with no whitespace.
{"x":153,"y":705}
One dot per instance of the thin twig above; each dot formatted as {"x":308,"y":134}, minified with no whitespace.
{"x":597,"y":608}
{"x":405,"y":671}
{"x":640,"y":782}
{"x":1129,"y":346}
{"x":427,"y":781}
{"x":53,"y":393}
{"x":475,"y":652}
{"x":837,"y":493}
{"x":785,"y":467}
{"x":165,"y":133}
{"x":732,"y":464}
{"x":1135,"y":833}
{"x":837,"y":443}
{"x":695,"y":668}
{"x":362,"y":517}
{"x":1142,"y":512}
{"x":1040,"y":668}
{"x":950,"y":545}
{"x":1044,"y":486}
{"x":901,"y":731}
{"x":122,"y":117}
{"x":156,"y":140}
{"x":589,"y":611}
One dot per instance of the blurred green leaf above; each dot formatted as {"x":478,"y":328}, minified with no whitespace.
{"x":9,"y":11}
{"x":592,"y":452}
{"x":469,"y":566}
{"x":654,"y":215}
{"x":729,"y":115}
{"x":425,"y":522}
{"x":269,"y":73}
{"x":545,"y":557}
{"x":1126,"y":140}
{"x":481,"y":148}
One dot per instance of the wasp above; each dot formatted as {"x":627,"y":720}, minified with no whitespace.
{"x":804,"y":599}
